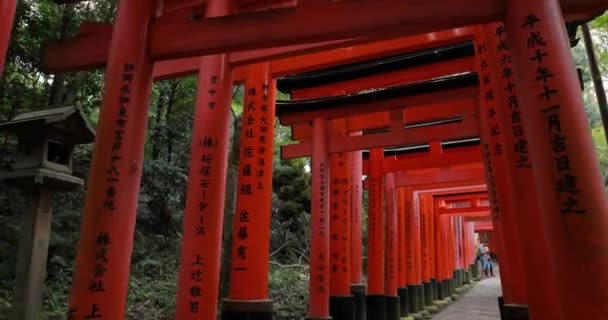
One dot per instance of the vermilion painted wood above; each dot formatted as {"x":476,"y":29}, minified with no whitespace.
{"x":340,"y":225}
{"x":249,"y":272}
{"x":376,"y":225}
{"x":388,"y":79}
{"x":475,"y":211}
{"x":205,"y":189}
{"x":7,"y":15}
{"x":75,"y":54}
{"x":103,"y":258}
{"x":573,"y":200}
{"x":539,"y":269}
{"x":424,"y":238}
{"x":410,"y":232}
{"x":357,"y":217}
{"x":333,"y":20}
{"x":320,"y":237}
{"x":431,"y":226}
{"x":445,"y":96}
{"x":392,"y":236}
{"x":402,"y":246}
{"x":500,"y":186}
{"x":405,"y":137}
{"x":411,"y":115}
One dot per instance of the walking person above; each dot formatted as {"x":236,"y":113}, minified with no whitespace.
{"x":484,"y":258}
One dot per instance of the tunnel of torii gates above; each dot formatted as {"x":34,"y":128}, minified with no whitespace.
{"x":471,"y":126}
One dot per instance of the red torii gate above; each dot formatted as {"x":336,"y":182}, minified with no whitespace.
{"x":422,"y":171}
{"x":441,"y":277}
{"x":130,"y":70}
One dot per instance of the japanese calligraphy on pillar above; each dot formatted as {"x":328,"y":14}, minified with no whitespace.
{"x":423,"y":233}
{"x":409,"y":231}
{"x":376,"y":234}
{"x":520,"y":146}
{"x":318,"y":277}
{"x":402,"y":235}
{"x":109,"y":206}
{"x":391,"y":237}
{"x":196,"y":265}
{"x":493,"y":146}
{"x":568,"y":182}
{"x":113,"y":175}
{"x":340,"y":222}
{"x":375,"y":216}
{"x":255,"y":152}
{"x":251,"y":236}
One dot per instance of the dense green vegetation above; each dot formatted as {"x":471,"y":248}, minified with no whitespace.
{"x":23,"y":87}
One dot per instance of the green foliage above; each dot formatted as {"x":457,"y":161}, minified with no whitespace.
{"x":289,"y":292}
{"x":153,"y":278}
{"x":162,"y":196}
{"x":290,"y":225}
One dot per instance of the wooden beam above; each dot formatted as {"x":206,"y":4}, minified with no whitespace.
{"x":89,"y":50}
{"x":472,"y":211}
{"x":394,"y":138}
{"x":408,"y":75}
{"x":322,"y":20}
{"x":411,"y":115}
{"x":344,"y":111}
{"x":448,"y":176}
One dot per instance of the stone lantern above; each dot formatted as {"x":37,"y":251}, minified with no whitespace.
{"x":42,"y":167}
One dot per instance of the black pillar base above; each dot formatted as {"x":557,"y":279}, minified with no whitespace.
{"x":404,"y":302}
{"x":247,"y":310}
{"x":421,"y":302}
{"x":393,"y":308}
{"x":501,"y":307}
{"x":462,"y":273}
{"x":434,"y":289}
{"x":414,"y":296}
{"x":342,"y":307}
{"x":358,"y":292}
{"x":512,"y":311}
{"x":446,"y":286}
{"x":428,"y":293}
{"x":376,"y":307}
{"x":515,"y":312}
{"x":457,"y":279}
{"x":441,"y":292}
{"x":451,"y":287}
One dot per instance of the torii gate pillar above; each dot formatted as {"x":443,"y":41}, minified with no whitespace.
{"x":7,"y":15}
{"x":198,"y":278}
{"x":539,"y":270}
{"x":358,"y":288}
{"x":341,"y":301}
{"x":320,"y":243}
{"x":500,"y":188}
{"x":574,"y":204}
{"x":376,"y":294}
{"x":393,"y":302}
{"x":103,"y":259}
{"x":248,"y":293}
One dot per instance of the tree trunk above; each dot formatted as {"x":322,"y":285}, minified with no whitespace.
{"x":170,"y":103}
{"x":76,"y":83}
{"x":57,"y":91}
{"x":157,"y":134}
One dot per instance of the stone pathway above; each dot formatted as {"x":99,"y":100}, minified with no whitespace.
{"x":479,"y":303}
